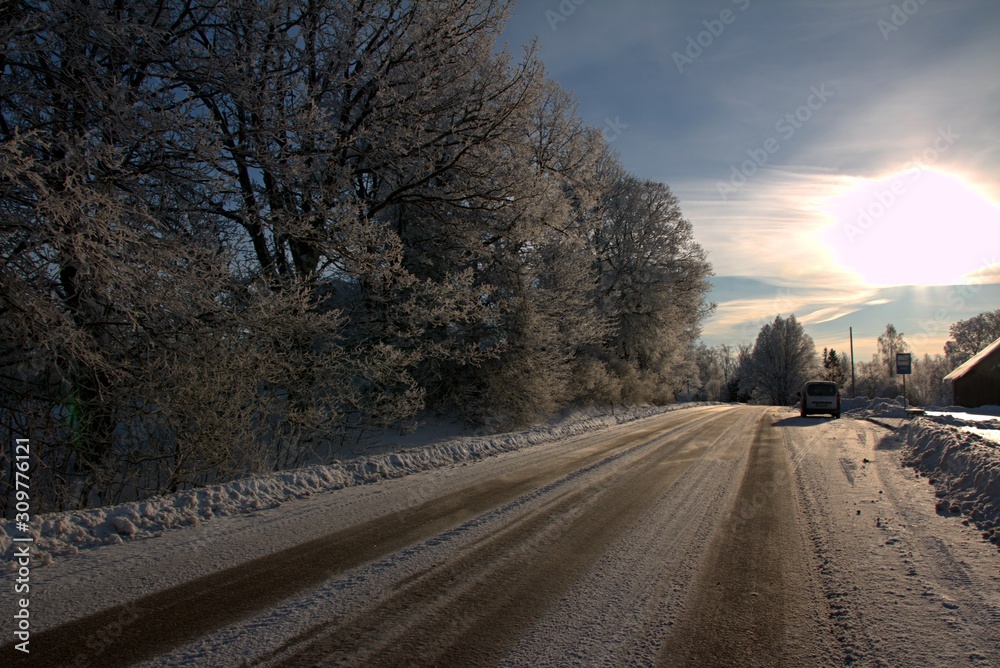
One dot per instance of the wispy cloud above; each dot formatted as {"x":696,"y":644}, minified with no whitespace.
{"x":825,"y":315}
{"x":893,"y":91}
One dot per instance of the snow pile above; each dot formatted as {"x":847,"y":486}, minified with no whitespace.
{"x":964,"y":467}
{"x":65,"y":533}
{"x":983,"y":421}
{"x":863,"y":407}
{"x":985,"y":413}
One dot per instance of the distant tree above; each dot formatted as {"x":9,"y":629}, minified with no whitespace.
{"x":835,"y":367}
{"x":720,"y":372}
{"x":891,"y":342}
{"x":727,"y":356}
{"x":783,"y":358}
{"x":926,"y":386}
{"x":711,"y":373}
{"x":873,"y":380}
{"x":716,"y":367}
{"x":870,"y":378}
{"x":739,"y":385}
{"x":970,"y":336}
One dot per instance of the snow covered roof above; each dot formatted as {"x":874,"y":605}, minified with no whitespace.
{"x":967,"y":366}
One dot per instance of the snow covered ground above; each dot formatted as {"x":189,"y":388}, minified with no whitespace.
{"x":883,"y":573}
{"x":957,"y":448}
{"x":983,"y":421}
{"x":880,"y":407}
{"x":950,"y":441}
{"x":58,"y":534}
{"x":962,"y":461}
{"x":906,"y":584}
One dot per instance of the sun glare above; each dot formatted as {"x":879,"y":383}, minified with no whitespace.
{"x":919,"y":227}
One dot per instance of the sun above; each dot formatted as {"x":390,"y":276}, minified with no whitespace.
{"x":917,"y":227}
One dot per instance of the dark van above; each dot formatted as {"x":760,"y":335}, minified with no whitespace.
{"x":820,"y":396}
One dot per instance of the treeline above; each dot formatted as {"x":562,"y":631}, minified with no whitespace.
{"x":783,"y":357}
{"x":236,"y":232}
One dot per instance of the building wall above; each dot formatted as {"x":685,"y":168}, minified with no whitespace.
{"x":981,"y":385}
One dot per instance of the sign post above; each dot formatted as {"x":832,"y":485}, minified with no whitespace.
{"x":904,"y":367}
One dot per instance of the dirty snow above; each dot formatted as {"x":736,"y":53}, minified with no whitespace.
{"x":904,"y":584}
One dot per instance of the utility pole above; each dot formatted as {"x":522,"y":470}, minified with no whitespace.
{"x":854,"y":391}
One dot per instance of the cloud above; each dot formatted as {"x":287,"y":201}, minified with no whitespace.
{"x":772,"y":227}
{"x":986,"y":274}
{"x":923,"y":314}
{"x":825,"y":315}
{"x":892,"y":94}
{"x":738,"y":320}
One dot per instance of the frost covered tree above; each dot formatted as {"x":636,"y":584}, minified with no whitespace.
{"x":970,"y":336}
{"x":236,"y":232}
{"x":891,"y":342}
{"x":782,"y":359}
{"x":130,"y":349}
{"x":926,"y":387}
{"x":366,"y":148}
{"x":653,"y":282}
{"x":873,"y":379}
{"x":869,"y":378}
{"x":533,"y":261}
{"x":740,"y":384}
{"x":716,"y":367}
{"x":836,"y":367}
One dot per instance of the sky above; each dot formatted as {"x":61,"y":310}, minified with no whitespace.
{"x":837,"y":158}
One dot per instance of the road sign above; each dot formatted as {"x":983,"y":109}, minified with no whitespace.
{"x":903,"y":364}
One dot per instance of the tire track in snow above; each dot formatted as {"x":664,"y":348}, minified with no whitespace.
{"x":845,"y":626}
{"x":941,"y":570}
{"x":754,"y":601}
{"x":622,"y":612}
{"x":156,"y":623}
{"x":477,"y":605}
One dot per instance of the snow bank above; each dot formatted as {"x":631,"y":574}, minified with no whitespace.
{"x":964,"y":467}
{"x":65,"y":533}
{"x":983,"y":421}
{"x":957,"y":448}
{"x":981,"y":413}
{"x":863,"y":407}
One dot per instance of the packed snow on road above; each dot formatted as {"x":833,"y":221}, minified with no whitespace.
{"x":877,"y":535}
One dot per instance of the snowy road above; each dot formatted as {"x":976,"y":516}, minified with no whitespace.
{"x":707,"y":536}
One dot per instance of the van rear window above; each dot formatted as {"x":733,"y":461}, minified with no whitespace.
{"x":822,"y":389}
